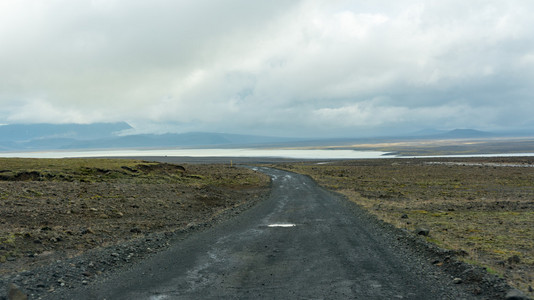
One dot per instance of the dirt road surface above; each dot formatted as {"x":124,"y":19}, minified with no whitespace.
{"x":302,"y":243}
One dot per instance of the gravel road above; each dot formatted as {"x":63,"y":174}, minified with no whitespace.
{"x":301,"y":243}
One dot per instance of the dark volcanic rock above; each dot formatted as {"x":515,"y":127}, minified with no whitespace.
{"x":15,"y":293}
{"x":515,"y":294}
{"x":422,"y":231}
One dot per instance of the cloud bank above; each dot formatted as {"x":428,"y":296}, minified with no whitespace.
{"x":295,"y":68}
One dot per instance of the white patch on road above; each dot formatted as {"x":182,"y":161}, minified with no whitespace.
{"x":282,"y":225}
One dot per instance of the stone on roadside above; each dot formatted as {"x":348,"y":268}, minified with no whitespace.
{"x":422,"y":231}
{"x":15,"y":293}
{"x":87,"y":231}
{"x":515,"y":294}
{"x":514,"y":259}
{"x":135,"y":230}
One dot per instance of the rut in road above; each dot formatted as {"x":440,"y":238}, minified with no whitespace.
{"x":303,"y":242}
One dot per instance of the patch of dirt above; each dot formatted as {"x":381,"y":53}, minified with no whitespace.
{"x":481,"y":208}
{"x":46,"y":219}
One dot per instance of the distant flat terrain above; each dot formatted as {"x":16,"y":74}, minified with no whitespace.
{"x":433,"y":147}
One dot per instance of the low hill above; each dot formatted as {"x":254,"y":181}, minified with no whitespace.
{"x":32,"y":132}
{"x":32,"y":137}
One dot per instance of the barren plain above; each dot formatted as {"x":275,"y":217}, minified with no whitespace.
{"x":53,"y":209}
{"x":482,"y":208}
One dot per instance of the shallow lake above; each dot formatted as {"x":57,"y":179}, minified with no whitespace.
{"x":278,"y":153}
{"x":241,"y":152}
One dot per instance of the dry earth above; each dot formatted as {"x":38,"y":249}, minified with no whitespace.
{"x":482,"y":208}
{"x":56,"y":209}
{"x":55,"y":215}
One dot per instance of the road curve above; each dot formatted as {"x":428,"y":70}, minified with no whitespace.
{"x":301,"y":243}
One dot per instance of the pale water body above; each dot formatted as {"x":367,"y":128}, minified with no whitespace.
{"x":274,"y":153}
{"x":244,"y":152}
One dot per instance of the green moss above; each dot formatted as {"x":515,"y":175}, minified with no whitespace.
{"x":7,"y":239}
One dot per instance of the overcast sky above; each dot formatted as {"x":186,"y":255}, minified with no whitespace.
{"x":277,"y":67}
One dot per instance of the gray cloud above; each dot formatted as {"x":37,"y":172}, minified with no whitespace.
{"x":301,"y":68}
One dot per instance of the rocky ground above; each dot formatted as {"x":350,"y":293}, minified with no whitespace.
{"x":479,"y":208}
{"x":347,"y":254}
{"x":64,"y":224}
{"x":67,"y":223}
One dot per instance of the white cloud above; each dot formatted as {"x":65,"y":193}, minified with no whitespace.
{"x":41,"y":111}
{"x":273,"y":67}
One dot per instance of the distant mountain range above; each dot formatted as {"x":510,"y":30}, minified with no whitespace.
{"x":38,"y":137}
{"x":107,"y":135}
{"x":29,"y":132}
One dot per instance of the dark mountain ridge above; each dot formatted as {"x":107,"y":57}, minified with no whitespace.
{"x":28,"y":132}
{"x":35,"y":137}
{"x":32,"y":137}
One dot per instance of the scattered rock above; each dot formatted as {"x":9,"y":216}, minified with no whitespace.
{"x":135,"y":230}
{"x":457,"y":280}
{"x":61,"y":282}
{"x":15,"y":293}
{"x":473,"y":275}
{"x":515,"y":294}
{"x":422,"y":231}
{"x":88,"y":238}
{"x":460,"y":252}
{"x":404,"y":216}
{"x":87,"y":231}
{"x":514,"y":259}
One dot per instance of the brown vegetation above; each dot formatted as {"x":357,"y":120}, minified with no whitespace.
{"x":481,"y":207}
{"x":55,"y":208}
